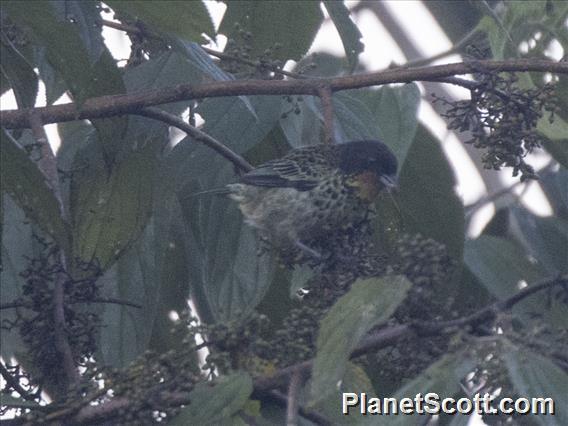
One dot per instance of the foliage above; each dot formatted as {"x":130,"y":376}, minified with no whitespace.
{"x":119,"y":243}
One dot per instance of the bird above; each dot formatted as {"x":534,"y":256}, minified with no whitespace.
{"x":314,"y":191}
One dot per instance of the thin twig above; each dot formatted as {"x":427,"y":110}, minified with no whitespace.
{"x":325,"y":94}
{"x":133,"y":29}
{"x":254,"y":64}
{"x":379,"y":11}
{"x":197,"y":134}
{"x":14,"y":384}
{"x":472,"y":208}
{"x":455,"y":49}
{"x":113,"y":105}
{"x":111,"y":300}
{"x":140,"y":31}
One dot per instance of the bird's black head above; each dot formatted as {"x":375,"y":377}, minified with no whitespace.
{"x":369,"y":155}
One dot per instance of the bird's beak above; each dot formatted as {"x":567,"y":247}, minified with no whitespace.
{"x":390,"y":182}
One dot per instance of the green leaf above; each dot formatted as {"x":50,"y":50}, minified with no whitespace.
{"x":228,"y":276}
{"x":19,"y":73}
{"x":137,"y":278}
{"x":355,"y":121}
{"x":212,"y":402}
{"x":293,"y":25}
{"x":395,"y":108}
{"x":203,"y":63}
{"x":55,"y":85}
{"x":427,"y":185}
{"x":304,"y":128}
{"x":554,"y":184}
{"x":84,"y":16}
{"x":16,"y":246}
{"x":496,"y":35}
{"x":187,"y":20}
{"x":348,"y":31}
{"x":442,"y":377}
{"x":368,"y":303}
{"x":534,"y":376}
{"x":174,"y":287}
{"x":110,"y":211}
{"x":200,"y":59}
{"x":87,"y":71}
{"x":70,"y":36}
{"x":556,"y":142}
{"x":152,"y":273}
{"x":355,"y":380}
{"x":517,"y":22}
{"x":546,"y":239}
{"x":75,"y":136}
{"x":501,"y":265}
{"x":231,"y":122}
{"x":26,"y":184}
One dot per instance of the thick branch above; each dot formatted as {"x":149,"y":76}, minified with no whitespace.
{"x":112,"y":105}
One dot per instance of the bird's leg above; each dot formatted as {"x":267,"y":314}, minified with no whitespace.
{"x":308,"y":250}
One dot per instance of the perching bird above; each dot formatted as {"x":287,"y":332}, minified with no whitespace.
{"x":313,"y":191}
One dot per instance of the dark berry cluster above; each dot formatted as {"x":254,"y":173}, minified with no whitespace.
{"x":502,"y":118}
{"x":34,"y":319}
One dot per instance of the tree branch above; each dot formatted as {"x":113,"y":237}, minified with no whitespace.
{"x":292,"y":403}
{"x":13,"y":383}
{"x":48,"y":166}
{"x":388,"y":336}
{"x":382,"y":338}
{"x":253,"y":64}
{"x":198,"y":135}
{"x":143,"y":32}
{"x":112,"y":105}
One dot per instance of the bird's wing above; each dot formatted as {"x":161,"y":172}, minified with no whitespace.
{"x":301,"y":169}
